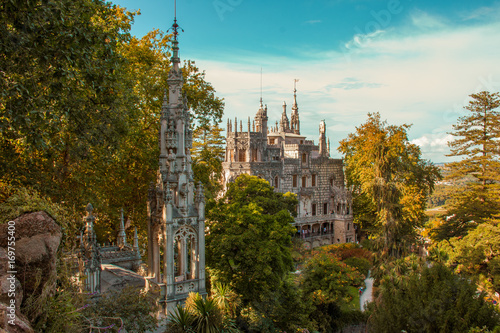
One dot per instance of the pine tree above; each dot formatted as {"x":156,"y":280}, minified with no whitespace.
{"x":478,"y":136}
{"x":477,"y":142}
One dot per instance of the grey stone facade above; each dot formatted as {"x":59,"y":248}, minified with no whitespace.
{"x":291,"y":163}
{"x":176,"y":207}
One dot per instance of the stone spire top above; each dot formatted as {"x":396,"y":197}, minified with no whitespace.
{"x":284,"y":125}
{"x":295,"y":122}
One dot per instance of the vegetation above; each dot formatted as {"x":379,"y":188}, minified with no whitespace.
{"x":249,"y":240}
{"x":477,"y":199}
{"x":80,"y":106}
{"x":391,"y":182}
{"x":432,"y":299}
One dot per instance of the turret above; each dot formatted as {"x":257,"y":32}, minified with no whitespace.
{"x":261,"y":119}
{"x":284,"y":123}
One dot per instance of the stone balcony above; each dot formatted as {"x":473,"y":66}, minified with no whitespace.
{"x":321,"y":218}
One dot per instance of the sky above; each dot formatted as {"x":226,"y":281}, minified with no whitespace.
{"x":413,"y":61}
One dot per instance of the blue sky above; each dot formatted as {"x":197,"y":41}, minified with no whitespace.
{"x":414,"y":61}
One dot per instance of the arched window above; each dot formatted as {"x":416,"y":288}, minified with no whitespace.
{"x":276,"y":184}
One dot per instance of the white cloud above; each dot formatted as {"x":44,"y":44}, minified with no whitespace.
{"x":425,"y":20}
{"x":434,"y":146}
{"x":418,"y":76}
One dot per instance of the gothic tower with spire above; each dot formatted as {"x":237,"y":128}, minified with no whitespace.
{"x":176,"y":207}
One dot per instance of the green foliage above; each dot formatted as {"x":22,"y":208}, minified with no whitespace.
{"x":181,"y":320}
{"x":249,"y":240}
{"x":432,"y":300}
{"x":328,"y":279}
{"x":476,"y":254}
{"x":362,"y":265}
{"x":476,"y":141}
{"x":131,"y":308}
{"x":391,"y":181}
{"x":58,"y":308}
{"x":225,"y":299}
{"x":80,"y":106}
{"x":15,"y":201}
{"x":208,"y":155}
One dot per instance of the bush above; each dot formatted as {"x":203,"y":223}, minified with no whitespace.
{"x":361,"y":264}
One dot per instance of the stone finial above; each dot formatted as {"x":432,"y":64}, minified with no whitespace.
{"x":122,"y":237}
{"x":136,"y":240}
{"x":89,"y":208}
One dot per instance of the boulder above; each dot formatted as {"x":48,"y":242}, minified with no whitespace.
{"x":37,"y":238}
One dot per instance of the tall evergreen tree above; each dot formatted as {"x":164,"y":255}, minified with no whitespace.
{"x":477,"y":142}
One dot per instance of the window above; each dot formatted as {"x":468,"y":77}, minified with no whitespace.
{"x":338,"y":208}
{"x":348,"y":226}
{"x":331,"y":181}
{"x":347,"y":210}
{"x":254,"y":155}
{"x":294,"y":177}
{"x":301,"y":141}
{"x":242,"y":156}
{"x":313,"y":180}
{"x":276,"y":182}
{"x":304,"y":158}
{"x":325,"y":208}
{"x":304,"y":181}
{"x":271,"y":141}
{"x":313,"y":208}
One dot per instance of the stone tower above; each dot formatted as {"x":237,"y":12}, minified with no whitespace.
{"x":176,"y":207}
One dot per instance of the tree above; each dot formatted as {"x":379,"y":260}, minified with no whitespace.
{"x":249,"y":239}
{"x":208,"y":155}
{"x":325,"y":276}
{"x":80,"y":106}
{"x":476,"y":141}
{"x":130,"y":308}
{"x":477,"y":254}
{"x":391,"y":181}
{"x":433,"y":300}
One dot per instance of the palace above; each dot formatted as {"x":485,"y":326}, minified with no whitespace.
{"x":290,"y":163}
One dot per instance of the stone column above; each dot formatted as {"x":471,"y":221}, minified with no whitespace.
{"x":201,"y":249}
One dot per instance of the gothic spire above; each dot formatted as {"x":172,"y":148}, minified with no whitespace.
{"x":295,"y":122}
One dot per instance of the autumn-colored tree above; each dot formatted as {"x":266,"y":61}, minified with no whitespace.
{"x":80,"y":106}
{"x":391,"y":181}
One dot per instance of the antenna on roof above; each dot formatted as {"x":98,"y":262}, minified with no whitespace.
{"x":261,"y":83}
